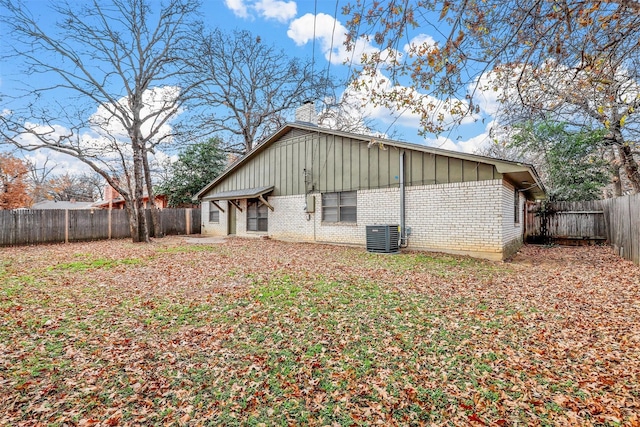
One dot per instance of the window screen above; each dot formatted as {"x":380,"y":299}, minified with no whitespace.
{"x":340,"y":207}
{"x":257,"y":216}
{"x":214,"y":213}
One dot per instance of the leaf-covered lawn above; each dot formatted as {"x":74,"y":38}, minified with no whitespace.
{"x":255,"y":332}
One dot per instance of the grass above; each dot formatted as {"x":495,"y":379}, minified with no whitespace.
{"x":233,"y":336}
{"x":91,"y":264}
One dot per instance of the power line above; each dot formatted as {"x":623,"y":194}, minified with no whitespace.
{"x":313,"y":43}
{"x":335,"y":20}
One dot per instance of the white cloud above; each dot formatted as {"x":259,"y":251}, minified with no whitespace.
{"x":471,"y":145}
{"x":434,"y":109}
{"x":332,"y":34}
{"x":279,"y":10}
{"x":238,"y":7}
{"x":282,"y":11}
{"x":156,"y":99}
{"x":106,"y":142}
{"x":61,"y":163}
{"x":419,"y":44}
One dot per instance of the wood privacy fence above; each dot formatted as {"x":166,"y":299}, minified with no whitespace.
{"x":615,"y":221}
{"x":31,"y":227}
{"x":622,"y":218}
{"x":565,"y":222}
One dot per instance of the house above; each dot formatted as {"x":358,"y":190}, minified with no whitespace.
{"x":57,"y":204}
{"x":113,"y":200}
{"x":306,"y":183}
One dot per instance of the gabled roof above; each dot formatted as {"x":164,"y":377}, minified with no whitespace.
{"x":54,"y":204}
{"x":522,"y":175}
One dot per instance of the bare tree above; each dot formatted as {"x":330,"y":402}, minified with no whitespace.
{"x":38,"y":177}
{"x":113,"y":73}
{"x":250,"y":85}
{"x":71,"y":187}
{"x":346,"y":114}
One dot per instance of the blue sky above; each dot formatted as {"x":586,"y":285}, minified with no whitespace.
{"x":306,"y":29}
{"x":290,"y":24}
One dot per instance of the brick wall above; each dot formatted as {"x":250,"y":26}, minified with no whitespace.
{"x":288,"y":221}
{"x":461,"y":218}
{"x":512,"y":231}
{"x":474,"y":218}
{"x":211,"y":228}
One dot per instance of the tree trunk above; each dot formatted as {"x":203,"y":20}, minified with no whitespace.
{"x":615,"y":172}
{"x":142,"y":234}
{"x":628,"y":161}
{"x":155,"y":217}
{"x":630,"y":167}
{"x":133,"y":219}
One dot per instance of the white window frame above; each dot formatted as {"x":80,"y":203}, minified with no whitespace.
{"x":261,"y":215}
{"x":214,"y":213}
{"x":340,"y":207}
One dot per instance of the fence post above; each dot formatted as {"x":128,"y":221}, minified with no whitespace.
{"x":66,"y":225}
{"x":187,"y":216}
{"x":109,"y":223}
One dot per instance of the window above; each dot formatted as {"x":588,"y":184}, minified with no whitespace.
{"x":339,"y":207}
{"x":257,"y":216}
{"x":214,"y":213}
{"x":516,"y":206}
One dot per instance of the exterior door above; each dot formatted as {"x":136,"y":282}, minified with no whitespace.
{"x":231,"y":220}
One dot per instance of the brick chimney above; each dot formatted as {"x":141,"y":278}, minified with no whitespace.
{"x":306,"y":114}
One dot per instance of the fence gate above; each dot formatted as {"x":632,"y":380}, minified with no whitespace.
{"x":569,"y":223}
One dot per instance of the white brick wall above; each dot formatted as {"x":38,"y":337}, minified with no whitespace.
{"x":461,"y":217}
{"x":288,"y":221}
{"x":474,"y":218}
{"x":511,"y":231}
{"x":210,"y":228}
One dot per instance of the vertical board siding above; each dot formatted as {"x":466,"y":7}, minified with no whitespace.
{"x":442,"y":170}
{"x":339,"y":163}
{"x":394,"y":167}
{"x":32,"y":227}
{"x":486,"y":172}
{"x":455,"y":170}
{"x":428,"y":169}
{"x":374,"y":165}
{"x":469,"y":171}
{"x":414,"y":168}
{"x":362,"y":179}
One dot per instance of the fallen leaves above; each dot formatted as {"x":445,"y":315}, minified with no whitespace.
{"x":266,"y":332}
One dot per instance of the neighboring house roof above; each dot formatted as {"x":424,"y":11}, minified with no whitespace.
{"x":105,"y":203}
{"x":522,"y":175}
{"x":119,"y":200}
{"x":53,"y":204}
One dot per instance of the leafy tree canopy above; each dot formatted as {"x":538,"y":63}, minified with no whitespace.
{"x":570,"y":162}
{"x":196,"y":166}
{"x":13,"y":185}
